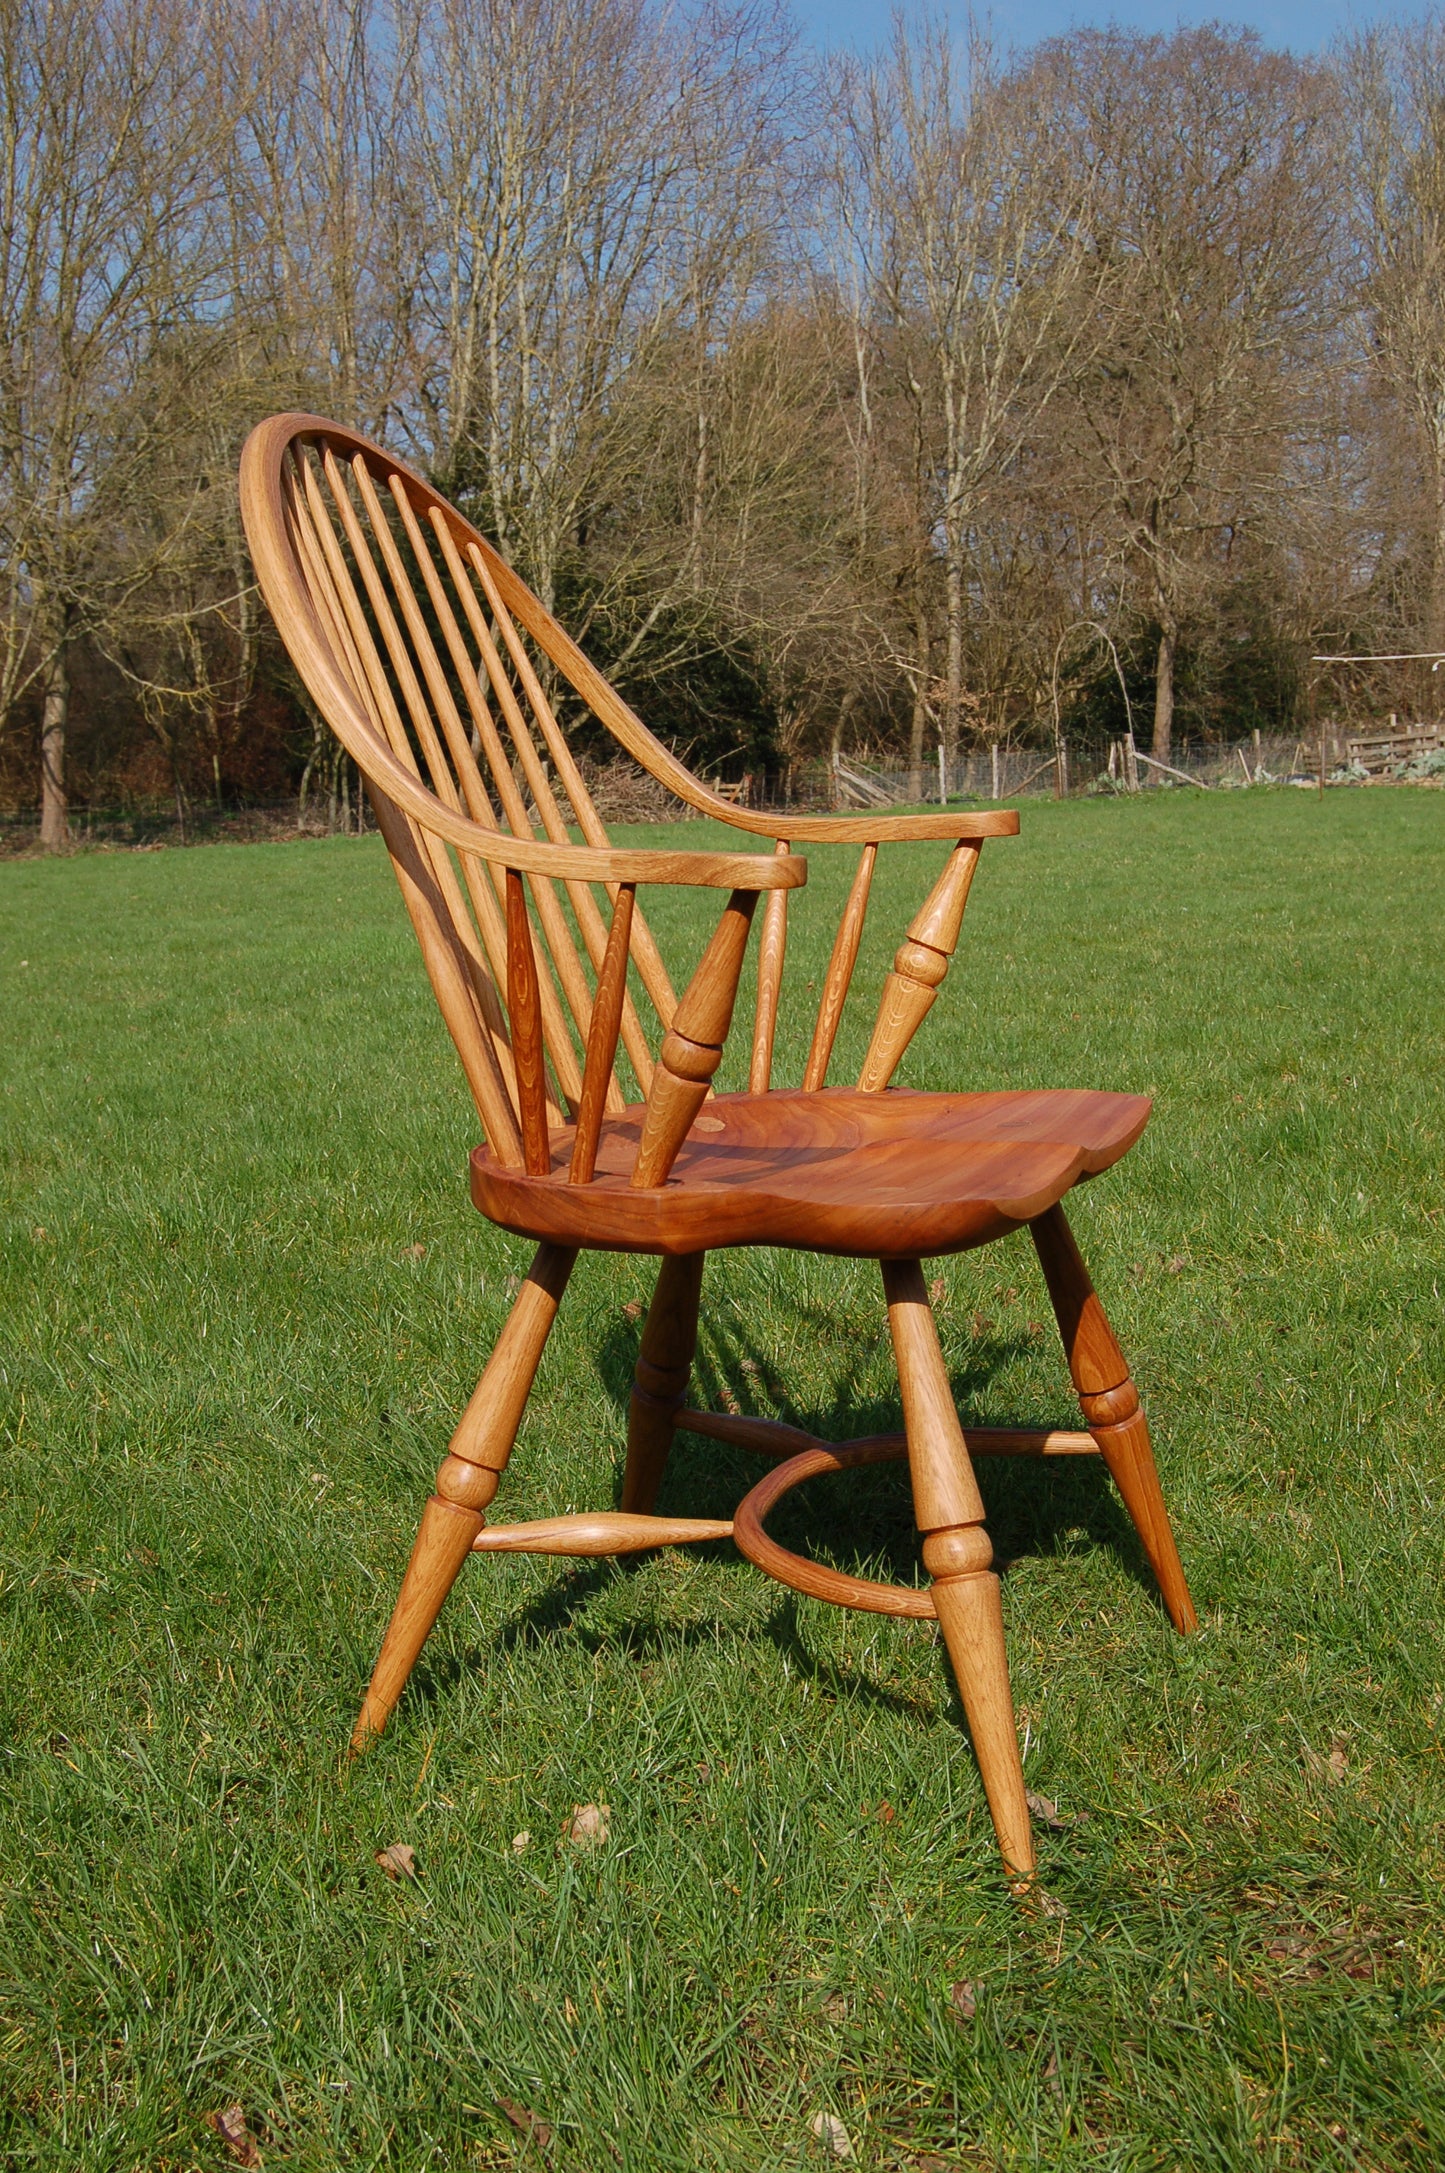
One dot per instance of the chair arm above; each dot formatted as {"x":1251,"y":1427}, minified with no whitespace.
{"x":605,"y":864}
{"x":880,"y":829}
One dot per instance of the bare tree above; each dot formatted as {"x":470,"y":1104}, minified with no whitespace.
{"x":1214,"y":172}
{"x":595,"y":180}
{"x":106,"y":145}
{"x":1395,"y":89}
{"x":968,"y":222}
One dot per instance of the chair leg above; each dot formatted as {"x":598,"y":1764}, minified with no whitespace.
{"x":957,"y":1553}
{"x":466,"y":1482}
{"x":659,"y":1389}
{"x":1110,"y":1404}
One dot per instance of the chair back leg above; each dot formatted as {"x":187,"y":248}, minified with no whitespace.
{"x":957,"y":1554}
{"x":659,"y":1389}
{"x":466,"y":1482}
{"x":1111,"y":1407}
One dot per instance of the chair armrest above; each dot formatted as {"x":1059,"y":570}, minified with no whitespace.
{"x":879,"y":829}
{"x":604,"y":864}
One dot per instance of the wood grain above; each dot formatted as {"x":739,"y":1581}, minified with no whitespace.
{"x":609,"y":1532}
{"x":525,"y":1005}
{"x":602,"y":1040}
{"x":919,"y":968}
{"x":466,"y":1482}
{"x":838,"y":1171}
{"x":1111,"y":1406}
{"x":692,"y":1046}
{"x":772,"y":952}
{"x":840,"y":972}
{"x":664,"y":1361}
{"x":957,"y":1555}
{"x":771,"y":1437}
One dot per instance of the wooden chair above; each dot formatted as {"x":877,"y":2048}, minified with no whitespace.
{"x":442,"y":675}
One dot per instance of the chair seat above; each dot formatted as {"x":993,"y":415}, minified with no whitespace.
{"x":889,"y":1176}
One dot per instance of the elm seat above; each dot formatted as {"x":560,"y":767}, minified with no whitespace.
{"x":444,"y":677}
{"x":894,"y":1175}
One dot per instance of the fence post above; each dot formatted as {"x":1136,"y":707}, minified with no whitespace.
{"x":1131,"y":763}
{"x":942,"y":778}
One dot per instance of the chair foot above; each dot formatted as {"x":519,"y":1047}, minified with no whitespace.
{"x":443,"y":1542}
{"x":1111,"y":1407}
{"x":957,"y":1553}
{"x":970,"y":1614}
{"x":664,"y":1362}
{"x":466,"y":1482}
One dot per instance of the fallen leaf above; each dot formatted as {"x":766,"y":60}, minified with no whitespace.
{"x":1332,"y":1769}
{"x":414,"y":1252}
{"x":729,"y":1401}
{"x":1051,"y":1905}
{"x":964,"y":2000}
{"x":1177,"y":1265}
{"x":568,"y":2009}
{"x":832,"y":2134}
{"x":937,"y":1290}
{"x":749,"y":1367}
{"x":1051,"y":2075}
{"x":981,"y":1325}
{"x":230,"y":2125}
{"x":1044,"y":1807}
{"x":398,"y":1861}
{"x":835,"y":2007}
{"x":632,"y":1310}
{"x":704,"y":1770}
{"x":588,"y":1827}
{"x":886,"y":1815}
{"x":521,"y":1841}
{"x":525,"y":2121}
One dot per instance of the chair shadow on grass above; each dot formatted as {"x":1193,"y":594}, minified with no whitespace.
{"x":860,"y":1521}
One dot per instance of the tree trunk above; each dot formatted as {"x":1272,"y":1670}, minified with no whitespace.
{"x":54,"y":822}
{"x":1435,"y":628}
{"x":953,"y":684}
{"x":919,"y":721}
{"x":1164,"y":692}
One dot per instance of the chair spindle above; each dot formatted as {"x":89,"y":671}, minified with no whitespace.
{"x":772,"y":949}
{"x":840,"y":972}
{"x":525,"y":1006}
{"x":602,"y":1041}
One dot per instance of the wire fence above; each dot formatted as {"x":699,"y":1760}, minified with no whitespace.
{"x":1110,"y":766}
{"x":1401,"y":752}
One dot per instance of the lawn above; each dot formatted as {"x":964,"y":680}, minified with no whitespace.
{"x":245,"y":1296}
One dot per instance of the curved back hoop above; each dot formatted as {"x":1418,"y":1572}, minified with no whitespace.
{"x":439,"y":671}
{"x":431,"y":661}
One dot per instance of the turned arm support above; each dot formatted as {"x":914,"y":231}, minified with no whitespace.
{"x":919,"y":966}
{"x":693,"y":1045}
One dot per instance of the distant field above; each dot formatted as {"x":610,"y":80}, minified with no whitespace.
{"x":244,"y":1298}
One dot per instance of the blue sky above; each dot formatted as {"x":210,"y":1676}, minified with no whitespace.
{"x":1302,"y":25}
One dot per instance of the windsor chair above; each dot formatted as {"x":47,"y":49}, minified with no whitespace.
{"x":432,"y":662}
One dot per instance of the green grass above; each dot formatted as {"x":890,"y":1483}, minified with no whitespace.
{"x":245,"y":1296}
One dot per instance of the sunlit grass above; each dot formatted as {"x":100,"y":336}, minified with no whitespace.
{"x":245,"y":1296}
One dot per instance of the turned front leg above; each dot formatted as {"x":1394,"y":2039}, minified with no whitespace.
{"x":958,"y":1554}
{"x":467,"y":1480}
{"x":659,"y":1389}
{"x":1110,"y":1404}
